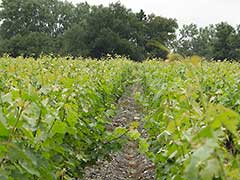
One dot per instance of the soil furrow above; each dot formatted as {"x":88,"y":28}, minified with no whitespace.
{"x":127,"y":164}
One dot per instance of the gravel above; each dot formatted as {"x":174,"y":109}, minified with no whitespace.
{"x":127,"y":164}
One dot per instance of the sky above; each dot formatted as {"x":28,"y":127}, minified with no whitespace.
{"x":200,"y":12}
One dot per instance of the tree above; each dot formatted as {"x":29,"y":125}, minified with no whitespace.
{"x":23,"y":16}
{"x":105,"y":30}
{"x":112,"y":30}
{"x":75,"y":42}
{"x":185,"y":44}
{"x":35,"y":22}
{"x":82,"y":30}
{"x":202,"y":44}
{"x":160,"y":32}
{"x":34,"y":44}
{"x":225,"y":42}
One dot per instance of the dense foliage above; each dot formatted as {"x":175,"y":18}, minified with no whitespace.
{"x":192,"y":118}
{"x":219,"y":42}
{"x":35,"y":27}
{"x":53,"y":115}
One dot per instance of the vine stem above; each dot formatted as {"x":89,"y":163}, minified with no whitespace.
{"x":38,"y":123}
{"x":221,"y":165}
{"x":20,"y":111}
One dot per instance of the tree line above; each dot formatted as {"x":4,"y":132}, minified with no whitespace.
{"x":220,"y":41}
{"x":53,"y":27}
{"x":34,"y":27}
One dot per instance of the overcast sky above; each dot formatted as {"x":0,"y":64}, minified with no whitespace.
{"x":201,"y":12}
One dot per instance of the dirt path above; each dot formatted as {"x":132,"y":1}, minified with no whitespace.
{"x":128,"y":164}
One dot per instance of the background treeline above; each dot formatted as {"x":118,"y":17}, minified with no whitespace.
{"x":35,"y":27}
{"x":219,"y":42}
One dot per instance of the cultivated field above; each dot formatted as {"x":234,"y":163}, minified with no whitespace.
{"x":63,"y":118}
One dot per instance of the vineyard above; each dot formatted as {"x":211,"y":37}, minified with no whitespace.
{"x":65,"y":119}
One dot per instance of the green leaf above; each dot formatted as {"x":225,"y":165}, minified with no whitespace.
{"x":198,"y":158}
{"x":29,"y":168}
{"x":171,"y":126}
{"x":59,"y":127}
{"x":196,"y":60}
{"x":3,"y":150}
{"x":134,"y":134}
{"x":119,"y":131}
{"x":7,"y":98}
{"x":211,"y":170}
{"x":221,"y":115}
{"x":4,"y":132}
{"x":24,"y":158}
{"x":134,"y":125}
{"x":143,"y":146}
{"x":205,"y":151}
{"x":206,"y":132}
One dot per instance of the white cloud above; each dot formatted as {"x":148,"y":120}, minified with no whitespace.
{"x":201,"y":12}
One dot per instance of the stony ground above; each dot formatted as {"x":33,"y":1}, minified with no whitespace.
{"x":127,"y":164}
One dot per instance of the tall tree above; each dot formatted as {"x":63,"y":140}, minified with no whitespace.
{"x":30,"y":20}
{"x":220,"y":41}
{"x":160,"y":33}
{"x":187,"y":36}
{"x":202,"y":44}
{"x":225,"y":43}
{"x":52,"y":17}
{"x":82,"y":30}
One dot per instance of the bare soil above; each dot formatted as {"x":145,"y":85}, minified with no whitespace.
{"x":128,"y":164}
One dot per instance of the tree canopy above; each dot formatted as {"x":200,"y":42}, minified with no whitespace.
{"x":219,"y":42}
{"x":34,"y":27}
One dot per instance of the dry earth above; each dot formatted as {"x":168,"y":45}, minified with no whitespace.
{"x":127,"y":164}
